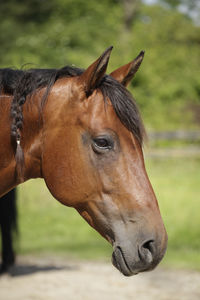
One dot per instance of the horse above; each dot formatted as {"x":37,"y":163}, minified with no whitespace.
{"x":8,"y":228}
{"x":81,"y":131}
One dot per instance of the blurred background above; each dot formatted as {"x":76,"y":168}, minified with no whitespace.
{"x":46,"y":34}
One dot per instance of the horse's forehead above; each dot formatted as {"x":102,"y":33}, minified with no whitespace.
{"x":98,"y":112}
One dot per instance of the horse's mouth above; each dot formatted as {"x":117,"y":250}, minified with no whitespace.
{"x":120,"y":263}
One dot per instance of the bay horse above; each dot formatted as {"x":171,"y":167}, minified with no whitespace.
{"x":81,"y":131}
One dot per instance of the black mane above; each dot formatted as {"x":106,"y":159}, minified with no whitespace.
{"x":22,"y":83}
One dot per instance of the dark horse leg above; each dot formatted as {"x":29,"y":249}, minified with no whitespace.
{"x":8,"y":224}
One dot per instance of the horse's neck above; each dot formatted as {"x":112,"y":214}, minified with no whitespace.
{"x":7,"y":165}
{"x":31,"y":143}
{"x":32,"y":137}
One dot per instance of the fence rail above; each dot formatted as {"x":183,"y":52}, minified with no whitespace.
{"x":175,"y":135}
{"x":192,"y":149}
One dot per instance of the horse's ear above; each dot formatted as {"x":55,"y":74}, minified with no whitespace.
{"x":125,"y":73}
{"x":92,"y":76}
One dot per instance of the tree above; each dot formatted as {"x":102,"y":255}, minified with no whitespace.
{"x":130,"y":8}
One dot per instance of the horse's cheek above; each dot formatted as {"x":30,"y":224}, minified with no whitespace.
{"x":71,"y":181}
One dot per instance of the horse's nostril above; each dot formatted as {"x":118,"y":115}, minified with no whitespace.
{"x":149,"y":245}
{"x":146,"y":251}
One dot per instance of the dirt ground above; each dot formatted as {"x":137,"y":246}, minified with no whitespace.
{"x":57,"y":279}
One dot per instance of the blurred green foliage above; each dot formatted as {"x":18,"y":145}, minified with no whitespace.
{"x":55,"y":33}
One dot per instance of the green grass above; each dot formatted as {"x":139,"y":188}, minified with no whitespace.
{"x":46,"y":226}
{"x":176,"y":182}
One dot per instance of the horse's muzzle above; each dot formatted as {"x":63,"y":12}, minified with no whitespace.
{"x":144,"y":257}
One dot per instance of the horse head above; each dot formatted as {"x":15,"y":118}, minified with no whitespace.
{"x":92,"y":160}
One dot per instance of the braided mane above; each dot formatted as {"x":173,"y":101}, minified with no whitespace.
{"x":20,"y":84}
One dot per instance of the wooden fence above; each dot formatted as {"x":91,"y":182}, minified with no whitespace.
{"x":190,"y":136}
{"x":190,"y":149}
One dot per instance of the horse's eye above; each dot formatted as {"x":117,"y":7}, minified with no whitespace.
{"x":102,"y":144}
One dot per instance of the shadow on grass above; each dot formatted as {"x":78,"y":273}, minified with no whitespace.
{"x":28,"y":269}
